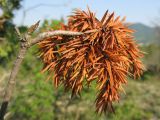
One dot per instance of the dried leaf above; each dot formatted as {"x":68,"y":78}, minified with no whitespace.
{"x":106,"y":53}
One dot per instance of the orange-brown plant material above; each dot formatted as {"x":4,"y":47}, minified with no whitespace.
{"x":107,"y":53}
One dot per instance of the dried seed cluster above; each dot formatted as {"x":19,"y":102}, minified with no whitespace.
{"x":106,"y":53}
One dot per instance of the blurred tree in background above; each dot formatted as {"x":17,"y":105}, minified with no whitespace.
{"x":8,"y":41}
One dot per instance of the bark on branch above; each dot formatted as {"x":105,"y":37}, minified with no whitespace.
{"x":24,"y":45}
{"x":53,"y":33}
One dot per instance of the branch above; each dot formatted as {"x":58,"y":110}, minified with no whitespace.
{"x":24,"y":45}
{"x":44,"y":35}
{"x":45,"y":5}
{"x":11,"y":83}
{"x":48,"y":5}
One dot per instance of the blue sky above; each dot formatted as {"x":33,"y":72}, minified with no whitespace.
{"x":144,"y":11}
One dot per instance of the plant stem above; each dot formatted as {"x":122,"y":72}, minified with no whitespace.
{"x":24,"y":42}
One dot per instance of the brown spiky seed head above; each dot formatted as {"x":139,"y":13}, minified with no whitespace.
{"x":107,"y":53}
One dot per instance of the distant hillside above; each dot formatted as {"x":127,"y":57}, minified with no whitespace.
{"x":144,"y":34}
